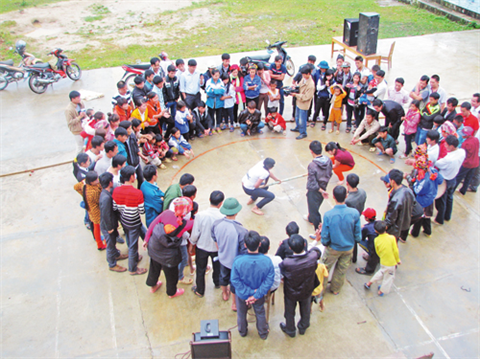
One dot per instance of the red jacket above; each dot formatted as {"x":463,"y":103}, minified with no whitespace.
{"x":471,"y":147}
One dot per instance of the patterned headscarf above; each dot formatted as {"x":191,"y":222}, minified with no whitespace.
{"x":422,"y":164}
{"x":182,"y":206}
{"x":449,"y":129}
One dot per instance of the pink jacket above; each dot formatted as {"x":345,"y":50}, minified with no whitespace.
{"x":411,"y":122}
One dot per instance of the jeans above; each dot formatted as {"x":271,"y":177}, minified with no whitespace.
{"x":201,"y":258}
{"x":171,"y":275}
{"x":465,"y":174}
{"x":172,"y":106}
{"x":227,"y":115}
{"x":131,"y":235}
{"x":184,"y":262}
{"x":216,"y":116}
{"x":260,"y":192}
{"x":475,"y":179}
{"x":112,"y":251}
{"x":289,"y":314}
{"x":421,"y":136}
{"x":244,"y":127}
{"x":259,"y":308}
{"x":314,"y":201}
{"x":444,"y":204}
{"x":301,"y":117}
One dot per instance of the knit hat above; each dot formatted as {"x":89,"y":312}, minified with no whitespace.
{"x":182,"y":206}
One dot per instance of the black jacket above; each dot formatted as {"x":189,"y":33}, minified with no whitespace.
{"x":171,"y":89}
{"x":132,"y":150}
{"x":165,"y":248}
{"x":284,"y":250}
{"x":108,"y":217}
{"x":399,"y":210}
{"x":393,"y":111}
{"x":139,"y":94}
{"x":450,"y":117}
{"x":254,"y":118}
{"x":299,"y":274}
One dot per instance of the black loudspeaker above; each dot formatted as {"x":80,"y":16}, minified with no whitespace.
{"x":368,"y":32}
{"x":205,"y":348}
{"x":350,"y":32}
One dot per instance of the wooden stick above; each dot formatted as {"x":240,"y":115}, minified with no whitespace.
{"x":285,"y":180}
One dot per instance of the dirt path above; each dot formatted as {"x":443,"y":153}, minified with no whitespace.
{"x":123,"y":22}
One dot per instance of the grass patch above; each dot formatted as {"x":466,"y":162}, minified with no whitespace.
{"x":7,"y":41}
{"x":244,"y":26}
{"x":93,"y":18}
{"x":13,"y":5}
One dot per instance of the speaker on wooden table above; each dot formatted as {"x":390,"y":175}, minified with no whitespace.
{"x":369,"y":23}
{"x":350,"y":32}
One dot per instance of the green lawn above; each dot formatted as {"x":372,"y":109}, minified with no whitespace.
{"x":244,"y":26}
{"x":12,"y":5}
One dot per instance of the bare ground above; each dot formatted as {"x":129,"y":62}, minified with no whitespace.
{"x":74,"y":25}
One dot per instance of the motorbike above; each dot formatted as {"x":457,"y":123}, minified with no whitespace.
{"x":265,"y":59}
{"x":44,"y":74}
{"x":11,"y":73}
{"x":131,"y":71}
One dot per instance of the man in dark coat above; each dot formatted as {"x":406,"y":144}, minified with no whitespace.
{"x":299,"y":275}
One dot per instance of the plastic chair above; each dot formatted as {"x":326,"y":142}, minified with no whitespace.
{"x":388,"y":59}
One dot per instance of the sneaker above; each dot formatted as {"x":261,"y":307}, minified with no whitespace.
{"x":305,"y":217}
{"x":219,"y":130}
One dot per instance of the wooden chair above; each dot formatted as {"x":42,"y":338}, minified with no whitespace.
{"x":269,"y":298}
{"x":388,"y":59}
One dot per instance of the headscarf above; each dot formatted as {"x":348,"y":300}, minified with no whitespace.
{"x":449,"y":129}
{"x":182,"y":206}
{"x":422,"y":164}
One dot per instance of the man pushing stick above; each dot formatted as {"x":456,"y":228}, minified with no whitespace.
{"x":253,"y":184}
{"x":319,"y":173}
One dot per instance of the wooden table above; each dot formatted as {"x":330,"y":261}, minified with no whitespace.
{"x":353,"y":49}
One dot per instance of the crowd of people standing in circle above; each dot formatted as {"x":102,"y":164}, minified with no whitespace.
{"x":159,"y":119}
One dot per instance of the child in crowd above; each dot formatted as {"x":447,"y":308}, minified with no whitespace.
{"x":121,"y":136}
{"x":114,"y":121}
{"x":385,"y":144}
{"x":324,"y":96}
{"x":387,"y":250}
{"x":118,"y":162}
{"x":342,"y":160}
{"x":284,"y":249}
{"x":95,"y":152}
{"x":410,"y":123}
{"x":122,"y":109}
{"x":322,"y":275}
{"x":182,"y":119}
{"x":275,"y":121}
{"x":368,"y":242}
{"x":336,"y":109}
{"x":229,"y":102}
{"x":179,"y":145}
{"x":273,"y":95}
{"x":90,"y":190}
{"x":153,"y":152}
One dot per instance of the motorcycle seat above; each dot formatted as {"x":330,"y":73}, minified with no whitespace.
{"x":260,"y":57}
{"x":140,"y":66}
{"x":8,"y":62}
{"x":42,"y":65}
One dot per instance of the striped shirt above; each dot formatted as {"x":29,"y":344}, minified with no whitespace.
{"x":128,"y":201}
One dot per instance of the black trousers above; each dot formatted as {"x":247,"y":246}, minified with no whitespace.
{"x":413,"y":221}
{"x":139,"y":172}
{"x":192,"y":101}
{"x":372,"y":262}
{"x":289,"y":314}
{"x":171,"y":275}
{"x":216,"y":116}
{"x":322,"y":104}
{"x":314,"y":201}
{"x":395,"y":129}
{"x":201,"y":258}
{"x":169,"y":123}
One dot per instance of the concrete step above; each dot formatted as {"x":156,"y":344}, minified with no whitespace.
{"x":450,"y":12}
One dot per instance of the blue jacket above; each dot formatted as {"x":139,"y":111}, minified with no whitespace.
{"x":247,"y":81}
{"x":426,"y":189}
{"x":250,"y":272}
{"x":214,"y":91}
{"x":153,"y":201}
{"x":181,"y":121}
{"x":341,"y":228}
{"x":122,"y":149}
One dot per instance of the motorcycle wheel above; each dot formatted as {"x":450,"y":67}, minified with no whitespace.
{"x":290,"y":67}
{"x":74,"y":72}
{"x":129,"y":81}
{"x":3,"y":83}
{"x":35,"y":86}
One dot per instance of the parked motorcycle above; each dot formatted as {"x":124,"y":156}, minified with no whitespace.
{"x":43,"y":75}
{"x":265,"y":59}
{"x":131,"y":71}
{"x":11,"y":73}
